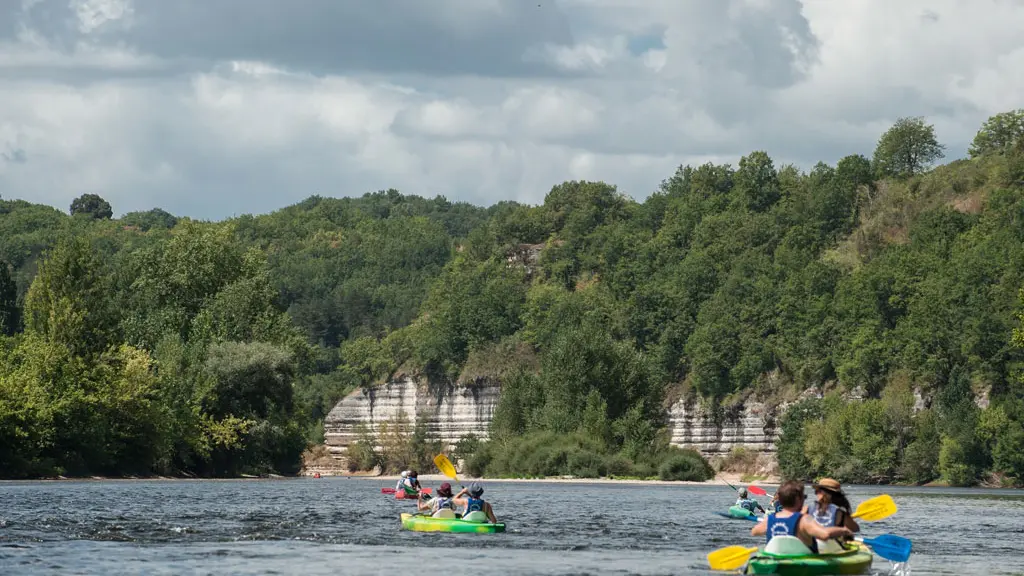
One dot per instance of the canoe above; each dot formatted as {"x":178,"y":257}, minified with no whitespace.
{"x":739,"y":513}
{"x":417,"y":523}
{"x":403,"y":495}
{"x":855,"y":560}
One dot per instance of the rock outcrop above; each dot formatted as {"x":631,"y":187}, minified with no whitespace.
{"x":449,"y":412}
{"x":452,"y":412}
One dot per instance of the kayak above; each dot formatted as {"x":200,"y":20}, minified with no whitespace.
{"x":855,"y":560}
{"x":417,"y":523}
{"x":403,"y":495}
{"x":739,"y":513}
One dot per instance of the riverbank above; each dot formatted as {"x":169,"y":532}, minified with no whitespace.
{"x":723,"y":479}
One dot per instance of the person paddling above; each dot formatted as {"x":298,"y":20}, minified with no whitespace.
{"x":474,"y":507}
{"x":792,"y":522}
{"x":748,"y":503}
{"x":831,"y":508}
{"x":401,"y":481}
{"x":412,"y":483}
{"x":443,"y":506}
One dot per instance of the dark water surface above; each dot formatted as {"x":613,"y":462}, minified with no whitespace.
{"x":346,"y":526}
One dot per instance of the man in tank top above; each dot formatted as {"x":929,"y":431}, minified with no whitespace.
{"x":791,"y":522}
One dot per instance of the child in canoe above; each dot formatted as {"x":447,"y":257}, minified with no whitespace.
{"x":443,"y":506}
{"x":475,"y":509}
{"x":793,"y":522}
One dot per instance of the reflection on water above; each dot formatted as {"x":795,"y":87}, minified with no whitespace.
{"x":346,"y":526}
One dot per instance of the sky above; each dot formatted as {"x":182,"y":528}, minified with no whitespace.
{"x":217,"y":108}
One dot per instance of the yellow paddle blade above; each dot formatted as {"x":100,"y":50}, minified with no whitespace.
{"x":876,"y":508}
{"x":730,"y":558}
{"x":445,"y":466}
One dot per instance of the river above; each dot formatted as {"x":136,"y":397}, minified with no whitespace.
{"x":346,"y":526}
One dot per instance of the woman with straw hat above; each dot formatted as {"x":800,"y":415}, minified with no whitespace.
{"x":831,"y":507}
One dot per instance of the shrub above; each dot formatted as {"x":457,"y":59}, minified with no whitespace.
{"x":685,"y":465}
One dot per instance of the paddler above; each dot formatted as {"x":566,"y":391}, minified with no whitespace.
{"x":475,"y":502}
{"x":411,"y":484}
{"x":831,"y":508}
{"x":749,"y":503}
{"x":793,"y":522}
{"x":401,"y":481}
{"x":443,"y":501}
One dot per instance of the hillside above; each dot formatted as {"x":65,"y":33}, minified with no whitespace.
{"x":224,"y":344}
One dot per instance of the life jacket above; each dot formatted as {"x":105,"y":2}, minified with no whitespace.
{"x":826,"y":518}
{"x":787,"y":526}
{"x":747,"y":503}
{"x":442,"y":502}
{"x":474,"y":505}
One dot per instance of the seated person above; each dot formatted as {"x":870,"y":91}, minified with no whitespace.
{"x":475,"y":509}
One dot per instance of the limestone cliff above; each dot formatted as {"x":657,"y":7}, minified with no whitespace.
{"x":455,"y":411}
{"x":450,"y":412}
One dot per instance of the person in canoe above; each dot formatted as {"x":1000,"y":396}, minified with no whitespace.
{"x":442,"y":506}
{"x":401,"y":481}
{"x":475,"y":509}
{"x":750,"y":504}
{"x":411,"y":484}
{"x":831,"y":508}
{"x":793,"y":522}
{"x":774,"y":502}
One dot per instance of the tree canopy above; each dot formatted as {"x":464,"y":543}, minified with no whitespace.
{"x":156,"y":343}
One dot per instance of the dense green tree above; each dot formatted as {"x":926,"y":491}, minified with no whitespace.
{"x":999,"y":134}
{"x":92,"y":206}
{"x":907,"y":149}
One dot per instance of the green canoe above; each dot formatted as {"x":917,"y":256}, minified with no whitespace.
{"x":856,"y":560}
{"x":418,"y":523}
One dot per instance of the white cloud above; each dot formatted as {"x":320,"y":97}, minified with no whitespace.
{"x":208,"y":120}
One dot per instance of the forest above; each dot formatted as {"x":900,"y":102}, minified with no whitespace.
{"x":159,"y":344}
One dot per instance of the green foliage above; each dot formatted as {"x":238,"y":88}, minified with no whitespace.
{"x":10,"y":312}
{"x":226,"y":344}
{"x":91,"y":206}
{"x":907,"y":149}
{"x":999,"y":134}
{"x":688,"y":466}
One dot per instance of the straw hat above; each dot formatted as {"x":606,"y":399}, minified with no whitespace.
{"x":829,"y":484}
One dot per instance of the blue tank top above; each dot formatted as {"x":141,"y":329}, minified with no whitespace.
{"x":474,"y":505}
{"x":826,"y":518}
{"x":785,"y":527}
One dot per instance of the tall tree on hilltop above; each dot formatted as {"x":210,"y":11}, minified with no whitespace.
{"x":93,"y":206}
{"x":999,"y":133}
{"x":906,"y":149}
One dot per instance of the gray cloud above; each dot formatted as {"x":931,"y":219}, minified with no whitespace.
{"x":227,"y":107}
{"x":326,"y":36}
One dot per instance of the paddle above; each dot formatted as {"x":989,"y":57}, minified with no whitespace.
{"x":755,"y":490}
{"x":889,"y":546}
{"x":445,"y":466}
{"x":730,"y":558}
{"x":875,"y":509}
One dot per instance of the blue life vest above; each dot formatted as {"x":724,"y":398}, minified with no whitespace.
{"x":442,"y":502}
{"x":474,"y":505}
{"x":785,"y":527}
{"x":747,"y":503}
{"x":826,"y":518}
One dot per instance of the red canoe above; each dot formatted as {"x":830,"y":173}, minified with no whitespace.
{"x":402,"y":495}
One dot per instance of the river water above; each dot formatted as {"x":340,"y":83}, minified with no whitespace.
{"x":346,"y":526}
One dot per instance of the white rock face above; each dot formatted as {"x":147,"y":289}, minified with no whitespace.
{"x":455,"y":411}
{"x":753,"y":426}
{"x":450,"y":412}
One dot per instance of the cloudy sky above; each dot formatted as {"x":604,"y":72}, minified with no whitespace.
{"x":212,"y":108}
